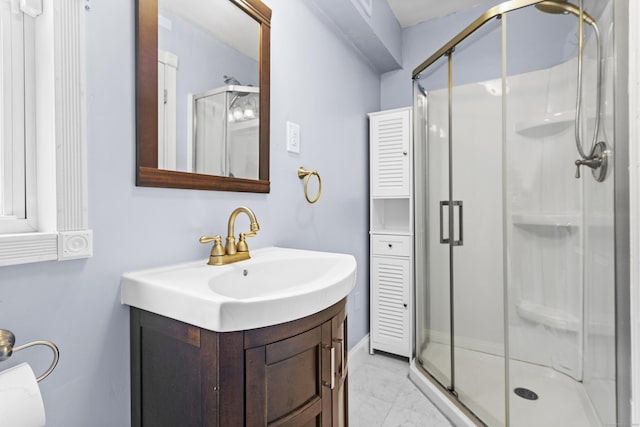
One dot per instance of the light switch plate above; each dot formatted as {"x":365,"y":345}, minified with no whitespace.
{"x":293,"y":137}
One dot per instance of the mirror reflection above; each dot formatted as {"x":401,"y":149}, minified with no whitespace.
{"x":208,"y":88}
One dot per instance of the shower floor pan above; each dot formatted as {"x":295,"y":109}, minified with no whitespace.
{"x":561,"y":401}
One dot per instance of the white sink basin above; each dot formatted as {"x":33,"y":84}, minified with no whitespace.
{"x":276,"y":285}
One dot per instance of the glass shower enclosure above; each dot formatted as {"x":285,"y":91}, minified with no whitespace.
{"x":223,"y":135}
{"x":515,"y":209}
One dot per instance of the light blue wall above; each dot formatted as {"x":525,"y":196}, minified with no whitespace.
{"x":317,"y":81}
{"x":378,"y":38}
{"x":384,"y":25}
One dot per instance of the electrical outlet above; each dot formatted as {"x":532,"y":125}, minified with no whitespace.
{"x":293,"y":137}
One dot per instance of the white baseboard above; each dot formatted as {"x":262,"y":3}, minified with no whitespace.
{"x":359,"y":352}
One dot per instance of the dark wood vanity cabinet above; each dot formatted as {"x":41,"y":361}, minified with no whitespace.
{"x":291,"y":374}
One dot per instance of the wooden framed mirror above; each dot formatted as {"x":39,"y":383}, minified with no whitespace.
{"x":240,"y":164}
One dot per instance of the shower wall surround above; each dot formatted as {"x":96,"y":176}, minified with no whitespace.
{"x":77,"y":303}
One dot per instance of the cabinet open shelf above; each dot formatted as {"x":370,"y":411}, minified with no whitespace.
{"x":391,"y":233}
{"x":390,"y":216}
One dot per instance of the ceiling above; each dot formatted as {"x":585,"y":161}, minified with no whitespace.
{"x":411,"y":12}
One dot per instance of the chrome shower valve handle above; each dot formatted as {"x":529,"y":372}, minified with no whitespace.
{"x":597,"y":161}
{"x":592,"y":163}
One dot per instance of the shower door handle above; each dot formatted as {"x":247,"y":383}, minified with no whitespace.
{"x":449,"y":239}
{"x":443,"y":203}
{"x":460,"y":241}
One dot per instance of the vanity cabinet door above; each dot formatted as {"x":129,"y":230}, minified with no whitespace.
{"x":291,"y":374}
{"x":182,"y":375}
{"x":288,"y":381}
{"x":174,"y":373}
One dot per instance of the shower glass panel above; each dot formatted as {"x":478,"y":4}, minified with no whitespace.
{"x":476,"y":213}
{"x":515,"y":280}
{"x":544,"y":219}
{"x":433,"y":295}
{"x":599,"y":342}
{"x":209,"y":147}
{"x":560,"y":255}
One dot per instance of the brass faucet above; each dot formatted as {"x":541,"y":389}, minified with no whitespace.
{"x":232,"y":251}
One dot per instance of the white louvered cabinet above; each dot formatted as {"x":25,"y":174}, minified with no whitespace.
{"x":391,"y":231}
{"x":390,"y":137}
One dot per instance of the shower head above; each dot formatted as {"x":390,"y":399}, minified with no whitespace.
{"x":416,"y":81}
{"x":230,"y":80}
{"x":421,"y":89}
{"x":563,"y":7}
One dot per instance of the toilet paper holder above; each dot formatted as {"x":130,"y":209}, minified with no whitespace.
{"x":7,"y":341}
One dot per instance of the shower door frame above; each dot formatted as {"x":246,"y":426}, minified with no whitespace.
{"x":621,"y":212}
{"x":621,"y":191}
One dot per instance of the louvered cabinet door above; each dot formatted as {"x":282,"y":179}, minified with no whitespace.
{"x":390,"y":303}
{"x":390,"y":136}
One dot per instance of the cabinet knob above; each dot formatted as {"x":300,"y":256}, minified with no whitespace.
{"x":404,"y":153}
{"x":390,"y":246}
{"x":405,"y":305}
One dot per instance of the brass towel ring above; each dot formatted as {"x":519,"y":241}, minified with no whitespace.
{"x":7,"y":341}
{"x":306,"y":174}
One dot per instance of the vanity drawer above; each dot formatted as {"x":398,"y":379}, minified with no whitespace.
{"x":391,"y":245}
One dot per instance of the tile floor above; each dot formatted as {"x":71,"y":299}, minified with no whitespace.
{"x":381,"y":394}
